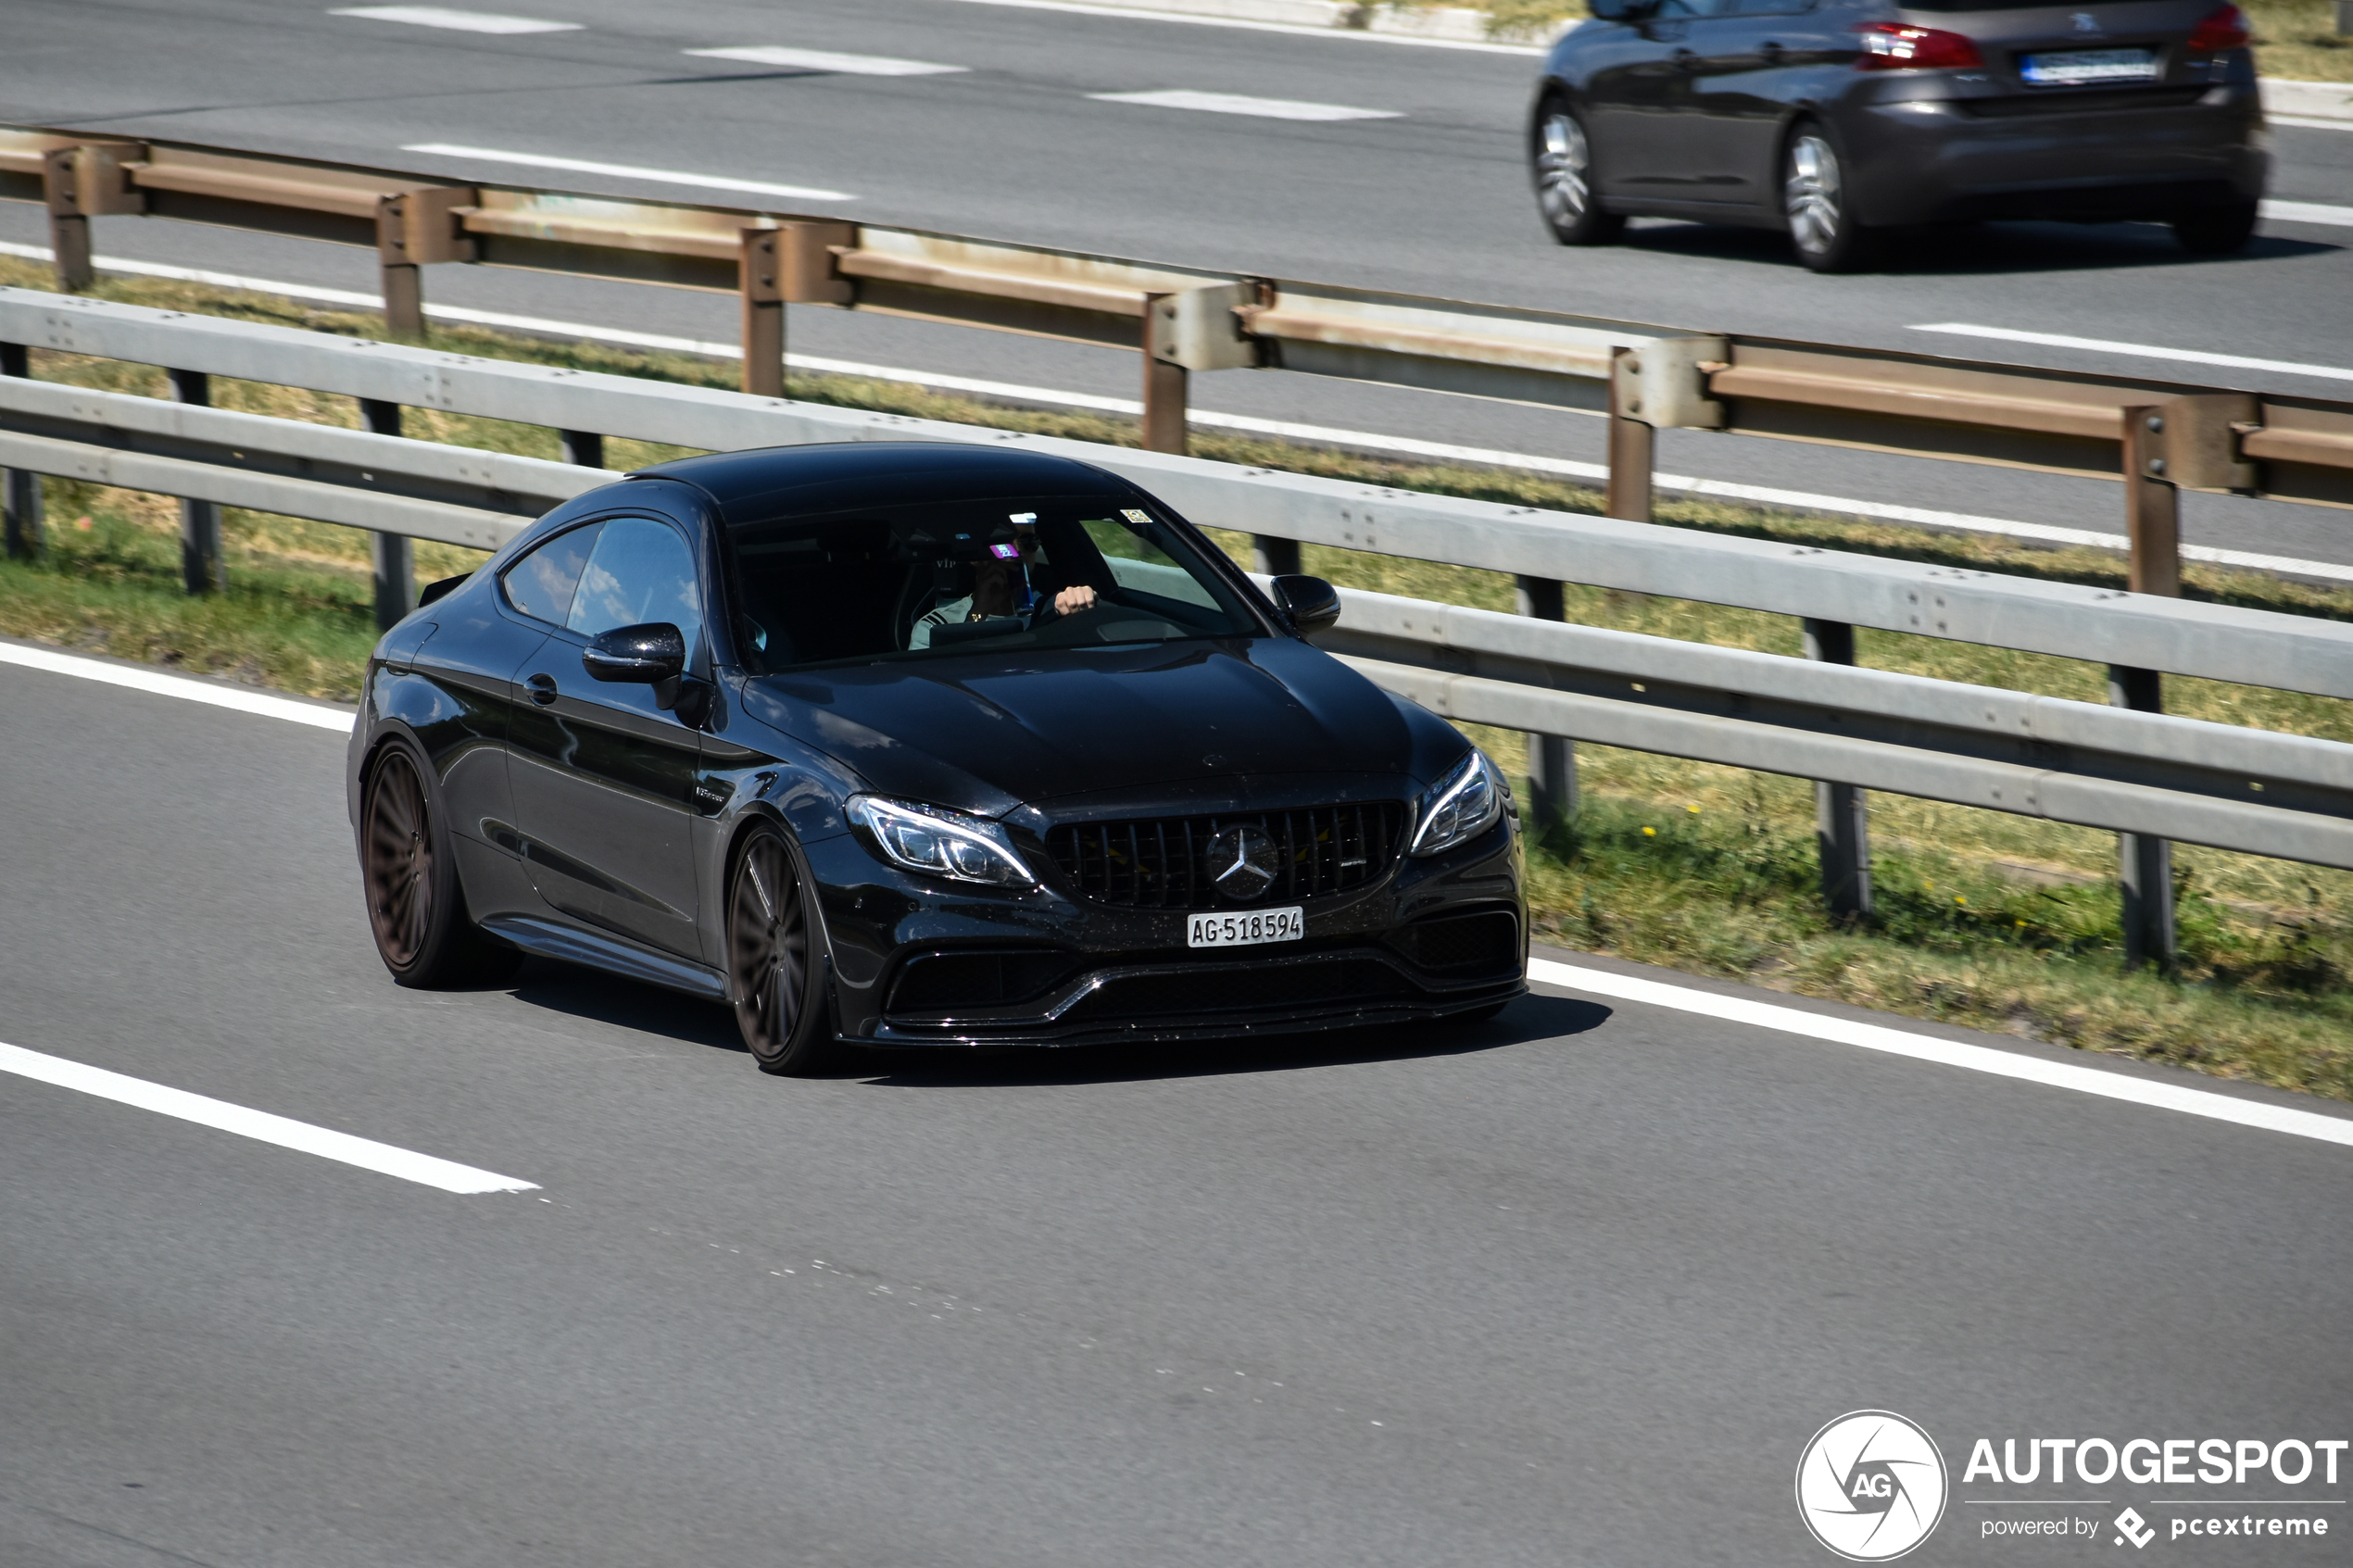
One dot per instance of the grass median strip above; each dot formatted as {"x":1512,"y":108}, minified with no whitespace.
{"x":1998,"y":921}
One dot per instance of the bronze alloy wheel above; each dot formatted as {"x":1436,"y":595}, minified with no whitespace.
{"x":770,"y":967}
{"x":399,"y":868}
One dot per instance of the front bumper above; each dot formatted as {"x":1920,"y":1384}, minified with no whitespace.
{"x":1080,"y":973}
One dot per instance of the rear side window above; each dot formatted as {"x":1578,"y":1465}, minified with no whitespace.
{"x":640,"y":571}
{"x":543,"y":582}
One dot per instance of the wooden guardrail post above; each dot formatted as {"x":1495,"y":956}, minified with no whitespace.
{"x":1632,"y":441}
{"x":403,"y":284}
{"x":761,"y":285}
{"x":393,"y":557}
{"x":19,"y":488}
{"x":1841,"y":813}
{"x":69,"y":225}
{"x":1165,"y":380}
{"x":200,"y":569}
{"x":585,"y":448}
{"x":2153,"y":518}
{"x":1551,"y":759}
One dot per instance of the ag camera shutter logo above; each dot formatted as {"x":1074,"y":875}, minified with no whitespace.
{"x":1871,"y":1486}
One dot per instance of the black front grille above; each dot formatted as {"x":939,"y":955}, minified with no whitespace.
{"x":1464,"y":945}
{"x":961,"y":981}
{"x":1162,"y":863}
{"x":1167,"y":996}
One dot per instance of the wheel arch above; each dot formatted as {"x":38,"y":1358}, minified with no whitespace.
{"x":757,"y":814}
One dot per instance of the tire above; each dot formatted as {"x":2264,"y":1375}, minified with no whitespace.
{"x":1560,"y":161}
{"x":416,"y":908}
{"x":1818,"y":207}
{"x":2217,"y":230}
{"x":773,"y":966}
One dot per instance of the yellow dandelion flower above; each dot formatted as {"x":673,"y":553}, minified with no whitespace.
{"x":1650,"y":832}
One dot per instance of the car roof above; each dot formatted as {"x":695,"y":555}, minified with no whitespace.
{"x":775,"y":482}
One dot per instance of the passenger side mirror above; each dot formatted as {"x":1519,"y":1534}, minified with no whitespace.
{"x":645,"y":655}
{"x":1612,"y":10}
{"x":1312,"y":603}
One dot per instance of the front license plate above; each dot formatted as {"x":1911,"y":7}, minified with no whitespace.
{"x":1243,"y":930}
{"x":2079,"y":68}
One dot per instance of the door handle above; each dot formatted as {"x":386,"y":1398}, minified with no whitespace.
{"x":1685,"y":60}
{"x":1773,"y":53}
{"x":542,"y":688}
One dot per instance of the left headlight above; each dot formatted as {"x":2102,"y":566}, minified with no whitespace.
{"x":1465,"y":804}
{"x":941,"y":843}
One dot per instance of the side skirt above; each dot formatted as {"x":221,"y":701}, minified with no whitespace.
{"x":614,"y":955}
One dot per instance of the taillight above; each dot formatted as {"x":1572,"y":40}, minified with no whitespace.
{"x":2226,"y":28}
{"x":1896,"y":46}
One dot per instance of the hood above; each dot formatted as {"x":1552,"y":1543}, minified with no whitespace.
{"x":988,"y":734}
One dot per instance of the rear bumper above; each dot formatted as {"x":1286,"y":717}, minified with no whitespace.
{"x":1925,"y":161}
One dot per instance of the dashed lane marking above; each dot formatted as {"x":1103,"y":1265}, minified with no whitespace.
{"x":826,"y":60}
{"x":626,"y":171}
{"x":454,"y":20}
{"x":1235,"y":103}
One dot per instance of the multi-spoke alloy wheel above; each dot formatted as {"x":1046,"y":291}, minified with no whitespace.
{"x":416,"y":909}
{"x":769,"y":967}
{"x":1563,"y":166}
{"x":401,"y":862}
{"x":1814,"y":198}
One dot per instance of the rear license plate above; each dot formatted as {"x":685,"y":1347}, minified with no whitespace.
{"x":1243,"y":930}
{"x":2079,"y":68}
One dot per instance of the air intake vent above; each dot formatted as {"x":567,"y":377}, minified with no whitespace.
{"x":1162,"y":863}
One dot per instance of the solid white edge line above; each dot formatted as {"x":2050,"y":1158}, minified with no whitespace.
{"x":1133,"y":13}
{"x":366,"y":1153}
{"x":1945,"y":1053}
{"x":2138,"y":350}
{"x":1800,"y":500}
{"x":180,"y":687}
{"x":2310,"y":212}
{"x":626,"y":171}
{"x":2309,"y":121}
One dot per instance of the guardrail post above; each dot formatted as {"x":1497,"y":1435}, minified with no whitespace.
{"x":761,"y":281}
{"x":585,"y":448}
{"x":1274,"y":558}
{"x":1165,"y":380}
{"x":392,"y":555}
{"x":1631,"y":440}
{"x":404,"y":285}
{"x":200,"y":569}
{"x":69,"y":225}
{"x":19,"y":488}
{"x":1841,"y":814}
{"x":1551,"y":759}
{"x":2154,"y":517}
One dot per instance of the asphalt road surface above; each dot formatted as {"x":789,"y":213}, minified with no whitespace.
{"x":1013,"y":144}
{"x":1574,"y":1286}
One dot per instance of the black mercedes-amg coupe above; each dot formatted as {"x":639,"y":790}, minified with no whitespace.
{"x":921,"y":744}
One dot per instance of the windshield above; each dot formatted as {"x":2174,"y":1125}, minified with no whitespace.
{"x":927,"y":581}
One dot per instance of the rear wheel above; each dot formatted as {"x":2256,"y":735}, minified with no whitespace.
{"x":416,"y":908}
{"x":1561,"y":160}
{"x":1818,"y":207}
{"x":772,"y":967}
{"x":2217,"y":230}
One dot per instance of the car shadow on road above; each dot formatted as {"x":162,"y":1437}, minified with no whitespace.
{"x":1955,"y":249}
{"x":585,"y":993}
{"x":1530,"y":1019}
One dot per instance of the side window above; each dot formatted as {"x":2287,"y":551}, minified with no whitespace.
{"x":640,"y":571}
{"x":541,"y":584}
{"x":1138,"y":562}
{"x":1773,"y":7}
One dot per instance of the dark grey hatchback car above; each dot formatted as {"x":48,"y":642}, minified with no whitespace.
{"x":1837,"y":119}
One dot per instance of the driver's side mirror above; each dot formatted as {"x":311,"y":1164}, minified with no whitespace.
{"x":1621,"y":10}
{"x":1312,"y":603}
{"x":644,"y":655}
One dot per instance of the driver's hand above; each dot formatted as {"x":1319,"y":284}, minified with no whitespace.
{"x":1070,"y":601}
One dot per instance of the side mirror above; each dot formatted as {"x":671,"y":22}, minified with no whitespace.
{"x":1312,"y":603}
{"x":645,"y":655}
{"x":1620,"y":10}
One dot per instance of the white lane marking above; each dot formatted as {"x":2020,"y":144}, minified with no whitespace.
{"x":1131,"y":13}
{"x":457,"y":22}
{"x":820,"y":59}
{"x":2310,"y":212}
{"x":2309,"y":122}
{"x":628,"y":172}
{"x":161,"y":684}
{"x":366,"y":1153}
{"x":1796,"y":500}
{"x":1235,"y":103}
{"x":2138,"y":350}
{"x":1946,"y":1053}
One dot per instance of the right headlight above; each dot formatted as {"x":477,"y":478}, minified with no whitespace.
{"x":942,"y":842}
{"x":1467,"y":803}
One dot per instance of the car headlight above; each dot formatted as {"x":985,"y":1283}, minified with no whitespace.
{"x":1465,"y":804}
{"x":941,"y":843}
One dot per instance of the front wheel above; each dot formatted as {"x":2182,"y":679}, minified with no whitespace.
{"x":1818,"y":208}
{"x":416,"y":908}
{"x":772,"y":963}
{"x":1561,"y":161}
{"x":2217,"y":230}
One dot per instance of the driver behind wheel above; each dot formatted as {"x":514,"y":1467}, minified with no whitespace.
{"x":1003,"y":584}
